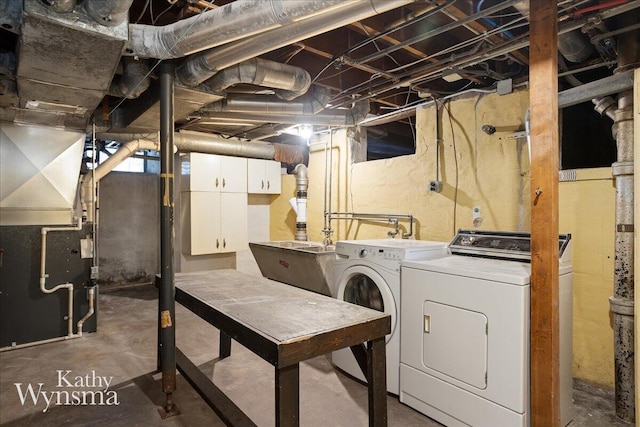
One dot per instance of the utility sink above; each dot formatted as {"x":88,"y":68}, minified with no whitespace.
{"x":306,"y":265}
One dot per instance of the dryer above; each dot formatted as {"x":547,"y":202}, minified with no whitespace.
{"x":367,"y":273}
{"x":465,"y":334}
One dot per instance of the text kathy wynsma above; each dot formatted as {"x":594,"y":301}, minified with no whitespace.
{"x":71,"y":390}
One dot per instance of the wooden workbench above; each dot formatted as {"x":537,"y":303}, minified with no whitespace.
{"x":284,"y":325}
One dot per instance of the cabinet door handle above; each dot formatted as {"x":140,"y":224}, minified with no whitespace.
{"x":262,"y":186}
{"x":217,"y":243}
{"x":223,"y":183}
{"x":224,"y":243}
{"x":216,"y":182}
{"x":268,"y":185}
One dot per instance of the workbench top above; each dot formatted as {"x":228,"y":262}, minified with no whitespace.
{"x":279,"y":311}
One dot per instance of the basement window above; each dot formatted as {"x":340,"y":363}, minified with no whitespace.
{"x":385,"y":142}
{"x":586,"y":138}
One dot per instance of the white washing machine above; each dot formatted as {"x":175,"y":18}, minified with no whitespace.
{"x":367,"y":273}
{"x":465,"y":331}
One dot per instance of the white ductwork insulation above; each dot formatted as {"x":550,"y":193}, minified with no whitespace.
{"x":288,"y":81}
{"x":302,"y":184}
{"x":233,"y":21}
{"x":264,"y":112}
{"x":198,"y":142}
{"x":39,"y":180}
{"x":201,"y":67}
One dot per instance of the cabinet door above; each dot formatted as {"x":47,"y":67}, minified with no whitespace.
{"x":255,"y":176}
{"x":233,"y":174}
{"x":198,"y":172}
{"x":273,"y":177}
{"x":200,"y":222}
{"x":233,"y":222}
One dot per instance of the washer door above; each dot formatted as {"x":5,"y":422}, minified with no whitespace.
{"x":364,"y":286}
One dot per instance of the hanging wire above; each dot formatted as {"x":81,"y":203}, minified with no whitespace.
{"x":455,"y":159}
{"x":159,"y":61}
{"x":144,"y":9}
{"x":153,"y":22}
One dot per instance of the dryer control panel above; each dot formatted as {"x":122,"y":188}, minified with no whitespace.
{"x":391,"y":250}
{"x":502,"y":245}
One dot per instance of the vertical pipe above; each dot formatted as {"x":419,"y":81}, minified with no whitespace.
{"x":622,"y":301}
{"x":166,"y":299}
{"x":302,"y":183}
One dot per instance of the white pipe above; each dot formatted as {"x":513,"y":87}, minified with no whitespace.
{"x":92,"y":294}
{"x":44,"y":275}
{"x":302,"y":184}
{"x":31,"y":344}
{"x":89,"y":182}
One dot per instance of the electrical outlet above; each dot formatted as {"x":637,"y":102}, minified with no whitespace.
{"x":435,"y":186}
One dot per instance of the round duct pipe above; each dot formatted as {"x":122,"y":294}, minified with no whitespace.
{"x":109,"y":13}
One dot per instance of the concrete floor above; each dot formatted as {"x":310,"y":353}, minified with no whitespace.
{"x":124,"y":348}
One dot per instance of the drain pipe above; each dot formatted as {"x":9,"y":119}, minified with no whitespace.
{"x":622,"y":301}
{"x":302,"y":183}
{"x":44,"y":275}
{"x":92,"y":295}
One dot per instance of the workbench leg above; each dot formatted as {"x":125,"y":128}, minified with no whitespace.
{"x":377,"y":376}
{"x":288,"y":396}
{"x":225,"y":345}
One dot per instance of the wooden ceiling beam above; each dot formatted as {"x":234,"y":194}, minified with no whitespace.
{"x":478,"y":28}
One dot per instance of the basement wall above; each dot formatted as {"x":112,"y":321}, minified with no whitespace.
{"x":128,"y":228}
{"x":492,"y":173}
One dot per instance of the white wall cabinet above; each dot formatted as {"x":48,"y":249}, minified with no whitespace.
{"x":263,"y":177}
{"x":210,"y":172}
{"x":213,"y":222}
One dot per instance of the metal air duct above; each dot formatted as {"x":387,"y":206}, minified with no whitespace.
{"x":202,"y":66}
{"x":109,"y":13}
{"x":133,"y":81}
{"x":573,"y":45}
{"x":288,"y":81}
{"x":334,"y":118}
{"x":310,"y":104}
{"x":233,"y":21}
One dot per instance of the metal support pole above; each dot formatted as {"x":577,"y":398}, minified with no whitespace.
{"x":166,"y":300}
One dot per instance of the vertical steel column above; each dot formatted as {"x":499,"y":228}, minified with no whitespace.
{"x":622,"y":301}
{"x":166,"y":301}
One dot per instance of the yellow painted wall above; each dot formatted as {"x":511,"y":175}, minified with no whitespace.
{"x":587,"y":211}
{"x":492,"y":173}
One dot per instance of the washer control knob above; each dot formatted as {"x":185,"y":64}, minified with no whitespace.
{"x":363,"y":253}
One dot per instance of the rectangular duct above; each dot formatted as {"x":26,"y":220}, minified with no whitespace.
{"x":65,"y":65}
{"x":39,"y":171}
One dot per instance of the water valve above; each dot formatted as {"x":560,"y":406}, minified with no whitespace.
{"x":435,"y":186}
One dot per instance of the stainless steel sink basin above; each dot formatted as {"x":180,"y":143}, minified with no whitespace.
{"x":306,"y":265}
